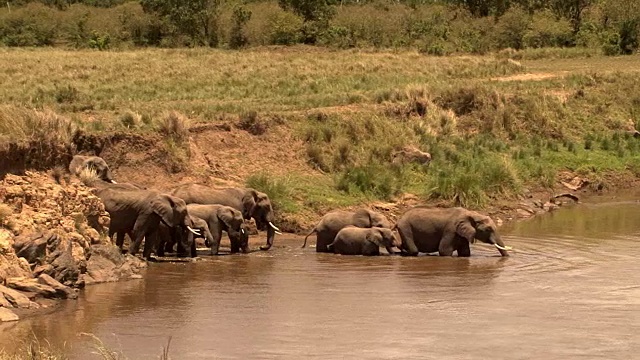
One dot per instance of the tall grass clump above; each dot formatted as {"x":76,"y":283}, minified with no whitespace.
{"x":175,"y":126}
{"x":373,"y":180}
{"x":277,"y":188}
{"x":17,"y":123}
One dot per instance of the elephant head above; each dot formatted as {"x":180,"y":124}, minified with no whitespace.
{"x":173,"y":213}
{"x":202,"y":226}
{"x":100,"y":166}
{"x":258,"y":206}
{"x":473,"y":226}
{"x":382,"y":237}
{"x":366,"y":218}
{"x":234,"y":225}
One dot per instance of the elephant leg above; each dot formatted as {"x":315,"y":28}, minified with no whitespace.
{"x":138,"y":236}
{"x":149,"y":244}
{"x":323,"y":241}
{"x":463,"y":249}
{"x":446,"y":247}
{"x":235,"y":248}
{"x":408,"y":245}
{"x":119,"y":240}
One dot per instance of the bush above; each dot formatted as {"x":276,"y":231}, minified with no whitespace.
{"x":284,"y":29}
{"x":511,"y":28}
{"x":240,"y":17}
{"x":547,"y":31}
{"x":31,"y":25}
{"x":372,"y":179}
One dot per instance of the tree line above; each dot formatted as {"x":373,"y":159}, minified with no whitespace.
{"x":434,"y":26}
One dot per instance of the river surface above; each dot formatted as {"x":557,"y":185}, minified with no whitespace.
{"x":570,"y":290}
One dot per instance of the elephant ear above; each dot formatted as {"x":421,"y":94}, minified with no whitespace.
{"x":225,"y":215}
{"x":164,"y":206}
{"x":466,"y":228}
{"x":375,"y":237}
{"x":249,"y":203}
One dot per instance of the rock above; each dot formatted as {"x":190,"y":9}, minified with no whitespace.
{"x":32,"y":247}
{"x":16,"y":298}
{"x":92,"y":236}
{"x":576,"y":183}
{"x":4,"y":302}
{"x":549,"y":206}
{"x":107,"y":264}
{"x":7,"y":315}
{"x":32,"y":286}
{"x":523,"y":213}
{"x":61,"y":290}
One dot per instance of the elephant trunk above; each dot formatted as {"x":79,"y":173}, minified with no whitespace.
{"x":271,"y":234}
{"x":496,"y":240}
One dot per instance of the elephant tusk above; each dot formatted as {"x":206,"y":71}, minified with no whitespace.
{"x":242,"y":231}
{"x":193,"y":231}
{"x":273,"y":226}
{"x":113,"y":182}
{"x":278,"y":232}
{"x":505,"y":248}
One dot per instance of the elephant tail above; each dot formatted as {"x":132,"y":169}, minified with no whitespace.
{"x":309,"y":234}
{"x":330,"y":247}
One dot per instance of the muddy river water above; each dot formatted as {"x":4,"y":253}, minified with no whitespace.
{"x":570,"y":290}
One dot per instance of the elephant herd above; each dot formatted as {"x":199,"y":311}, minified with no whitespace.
{"x":176,"y":217}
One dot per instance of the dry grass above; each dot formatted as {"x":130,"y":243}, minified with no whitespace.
{"x":18,"y":122}
{"x":88,"y":176}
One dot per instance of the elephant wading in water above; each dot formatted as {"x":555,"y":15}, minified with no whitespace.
{"x":446,"y":230}
{"x":251,"y":203}
{"x":139,"y":213}
{"x":212,"y":220}
{"x":330,"y":224}
{"x":95,"y":163}
{"x":353,"y":240}
{"x":167,"y":238}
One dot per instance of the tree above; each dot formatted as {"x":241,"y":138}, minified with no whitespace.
{"x":310,"y":10}
{"x":195,"y":18}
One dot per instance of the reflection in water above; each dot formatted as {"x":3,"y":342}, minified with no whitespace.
{"x":570,"y":289}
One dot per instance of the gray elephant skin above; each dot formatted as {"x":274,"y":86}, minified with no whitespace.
{"x":95,"y":163}
{"x":334,"y":221}
{"x":353,"y":240}
{"x":168,"y":237}
{"x":140,"y":212}
{"x":251,"y":203}
{"x":445,"y":230}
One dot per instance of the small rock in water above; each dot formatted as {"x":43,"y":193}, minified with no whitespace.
{"x":135,"y":276}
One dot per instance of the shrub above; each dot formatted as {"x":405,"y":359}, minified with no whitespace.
{"x":511,"y":28}
{"x":240,"y":17}
{"x":252,"y":123}
{"x":284,"y":29}
{"x":175,"y":126}
{"x":547,"y":31}
{"x":31,"y":25}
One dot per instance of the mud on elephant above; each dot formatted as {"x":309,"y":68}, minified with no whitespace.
{"x":445,"y":230}
{"x":140,"y":212}
{"x":251,"y":203}
{"x":353,"y":240}
{"x":332,"y":222}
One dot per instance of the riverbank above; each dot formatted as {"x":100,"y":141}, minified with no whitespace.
{"x":315,"y":129}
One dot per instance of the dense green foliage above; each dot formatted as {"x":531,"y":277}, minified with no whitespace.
{"x":432,"y":26}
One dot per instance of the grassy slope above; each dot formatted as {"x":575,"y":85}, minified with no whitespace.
{"x":493,"y":126}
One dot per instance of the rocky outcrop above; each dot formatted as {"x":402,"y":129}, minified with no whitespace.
{"x":52,"y":241}
{"x":411,"y":154}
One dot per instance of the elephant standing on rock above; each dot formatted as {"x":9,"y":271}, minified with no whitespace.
{"x":446,"y":230}
{"x":334,"y":221}
{"x":251,"y":203}
{"x":353,"y":240}
{"x":139,"y":213}
{"x":95,"y":163}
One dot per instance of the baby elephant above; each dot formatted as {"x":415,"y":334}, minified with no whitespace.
{"x":353,"y":240}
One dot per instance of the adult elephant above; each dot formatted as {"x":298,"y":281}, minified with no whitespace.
{"x":251,"y":203}
{"x":139,"y":213}
{"x":332,"y":222}
{"x":445,"y":230}
{"x":95,"y":163}
{"x":213,"y":220}
{"x":353,"y":240}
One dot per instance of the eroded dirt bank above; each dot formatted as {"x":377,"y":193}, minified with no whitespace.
{"x":52,"y":234}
